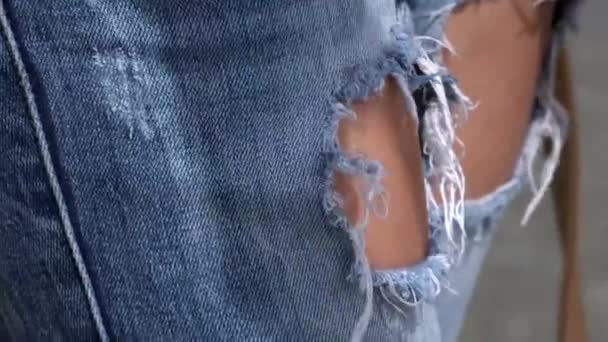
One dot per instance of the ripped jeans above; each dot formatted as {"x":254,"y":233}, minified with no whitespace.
{"x":166,"y":170}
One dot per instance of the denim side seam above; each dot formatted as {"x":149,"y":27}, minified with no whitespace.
{"x":26,"y":85}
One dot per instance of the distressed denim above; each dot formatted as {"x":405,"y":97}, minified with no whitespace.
{"x":166,"y":170}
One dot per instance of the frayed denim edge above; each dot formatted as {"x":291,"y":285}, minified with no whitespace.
{"x":414,"y":62}
{"x":552,"y":127}
{"x":441,"y":115}
{"x":551,"y":117}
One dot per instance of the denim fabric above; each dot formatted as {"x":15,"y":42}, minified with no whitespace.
{"x":482,"y":215}
{"x":166,"y":171}
{"x":40,"y":292}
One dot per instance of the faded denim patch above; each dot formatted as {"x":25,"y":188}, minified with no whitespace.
{"x":123,"y":81}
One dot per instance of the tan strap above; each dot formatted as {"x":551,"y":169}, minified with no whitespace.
{"x":566,"y":196}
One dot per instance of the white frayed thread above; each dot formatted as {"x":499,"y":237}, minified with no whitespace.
{"x":540,"y":2}
{"x":548,"y":129}
{"x":445,"y":43}
{"x":439,"y":137}
{"x":551,"y":127}
{"x":440,"y":12}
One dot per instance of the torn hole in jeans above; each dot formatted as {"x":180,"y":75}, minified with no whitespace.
{"x":413,"y":66}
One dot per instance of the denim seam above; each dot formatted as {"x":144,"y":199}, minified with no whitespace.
{"x":32,"y":108}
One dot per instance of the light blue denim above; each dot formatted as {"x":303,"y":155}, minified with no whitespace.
{"x":166,"y":171}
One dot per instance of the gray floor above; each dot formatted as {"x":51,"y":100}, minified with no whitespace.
{"x":516,"y":298}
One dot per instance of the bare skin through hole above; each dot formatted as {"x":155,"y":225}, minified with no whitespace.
{"x":500,"y":46}
{"x":499,"y":50}
{"x":385,"y":132}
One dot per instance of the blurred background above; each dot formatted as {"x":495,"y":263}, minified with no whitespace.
{"x":518,"y":292}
